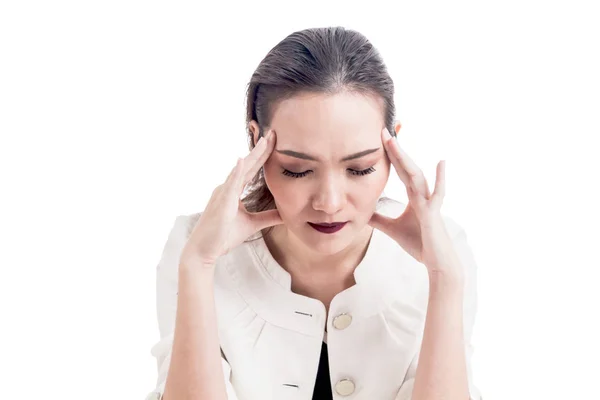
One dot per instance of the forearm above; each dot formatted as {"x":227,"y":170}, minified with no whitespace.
{"x":441,"y":369}
{"x":195,"y":372}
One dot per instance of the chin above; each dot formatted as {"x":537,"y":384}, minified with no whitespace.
{"x":327,"y":244}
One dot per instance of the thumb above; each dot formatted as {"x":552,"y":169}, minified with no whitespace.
{"x":265,"y":219}
{"x":381,"y":222}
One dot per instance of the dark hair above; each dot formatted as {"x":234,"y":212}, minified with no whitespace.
{"x":317,"y":60}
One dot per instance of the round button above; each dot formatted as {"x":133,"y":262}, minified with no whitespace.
{"x":344,"y":387}
{"x":342,"y":321}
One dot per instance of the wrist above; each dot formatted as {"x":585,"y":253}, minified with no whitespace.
{"x":446,"y":281}
{"x":196,"y":270}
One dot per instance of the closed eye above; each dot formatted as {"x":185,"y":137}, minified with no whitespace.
{"x":295,"y":174}
{"x":367,"y":171}
{"x":354,"y":172}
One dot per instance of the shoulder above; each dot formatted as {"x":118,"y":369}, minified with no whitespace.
{"x":228,"y":301}
{"x":184,"y":223}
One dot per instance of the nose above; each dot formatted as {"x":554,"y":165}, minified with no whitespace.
{"x":331,"y":196}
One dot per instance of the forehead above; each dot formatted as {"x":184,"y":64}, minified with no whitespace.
{"x":313,"y":121}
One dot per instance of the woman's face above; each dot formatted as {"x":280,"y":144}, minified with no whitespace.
{"x":328,"y":165}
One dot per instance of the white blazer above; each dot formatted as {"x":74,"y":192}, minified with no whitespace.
{"x":271,"y":338}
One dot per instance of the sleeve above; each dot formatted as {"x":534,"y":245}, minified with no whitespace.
{"x":166,"y":307}
{"x":469,"y":311}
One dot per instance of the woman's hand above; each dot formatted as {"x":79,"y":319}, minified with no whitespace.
{"x":225,"y":222}
{"x":420,"y":230}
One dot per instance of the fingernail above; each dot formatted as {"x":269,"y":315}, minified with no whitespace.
{"x":269,"y":134}
{"x":388,"y":132}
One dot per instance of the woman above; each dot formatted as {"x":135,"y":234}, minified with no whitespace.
{"x":314,"y":285}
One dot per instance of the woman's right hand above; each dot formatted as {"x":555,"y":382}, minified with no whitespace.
{"x":225,"y":222}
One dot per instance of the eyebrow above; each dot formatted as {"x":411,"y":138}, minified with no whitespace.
{"x":303,"y":156}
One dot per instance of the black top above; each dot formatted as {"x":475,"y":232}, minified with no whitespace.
{"x":323,"y":384}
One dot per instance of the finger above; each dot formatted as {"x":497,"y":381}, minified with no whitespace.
{"x":387,"y":144}
{"x":258,"y":157}
{"x":381,"y":222}
{"x":235,"y":175}
{"x":439,"y":192}
{"x":232,"y":171}
{"x":254,"y":154}
{"x":265,"y":219}
{"x":408,"y":168}
{"x":404,"y":159}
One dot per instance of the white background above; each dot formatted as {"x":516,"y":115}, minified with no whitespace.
{"x":117,"y":116}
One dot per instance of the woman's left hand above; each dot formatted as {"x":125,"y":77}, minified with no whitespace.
{"x":420,"y":230}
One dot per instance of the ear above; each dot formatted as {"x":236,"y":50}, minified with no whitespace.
{"x":397,"y":126}
{"x":254,"y":128}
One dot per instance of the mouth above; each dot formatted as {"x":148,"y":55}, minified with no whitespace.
{"x":328,"y":227}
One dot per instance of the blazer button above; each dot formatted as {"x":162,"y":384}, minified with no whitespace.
{"x":344,"y":387}
{"x":342,"y":321}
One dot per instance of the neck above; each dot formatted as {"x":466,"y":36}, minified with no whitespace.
{"x":301,"y":261}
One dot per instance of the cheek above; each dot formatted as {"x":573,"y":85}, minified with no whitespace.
{"x":274,"y":182}
{"x":369,"y":189}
